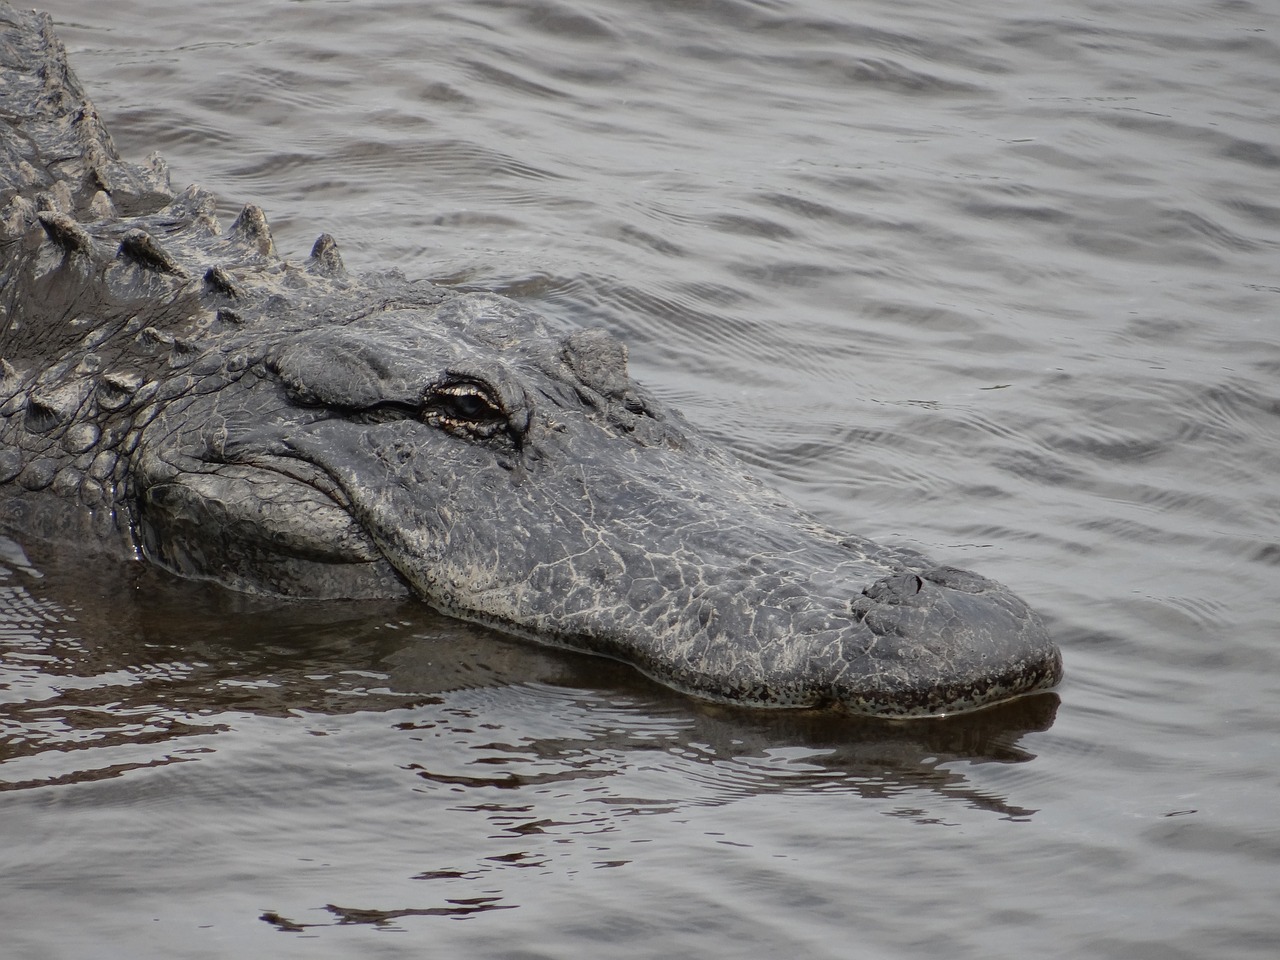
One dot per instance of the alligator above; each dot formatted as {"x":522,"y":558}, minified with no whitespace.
{"x":176,"y":393}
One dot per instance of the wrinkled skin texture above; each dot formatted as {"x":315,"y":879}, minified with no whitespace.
{"x":183,"y":394}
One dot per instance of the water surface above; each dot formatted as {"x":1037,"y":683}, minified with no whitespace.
{"x":997,"y":281}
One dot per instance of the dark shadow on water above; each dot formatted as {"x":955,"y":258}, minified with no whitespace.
{"x":346,"y":916}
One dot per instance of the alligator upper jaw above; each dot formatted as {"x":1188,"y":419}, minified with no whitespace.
{"x":958,"y":643}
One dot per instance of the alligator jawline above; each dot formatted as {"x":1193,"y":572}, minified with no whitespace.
{"x":263,"y":513}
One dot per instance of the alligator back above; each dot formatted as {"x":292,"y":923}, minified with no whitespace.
{"x":111,"y":287}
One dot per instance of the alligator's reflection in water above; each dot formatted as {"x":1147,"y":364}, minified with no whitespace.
{"x":139,"y":669}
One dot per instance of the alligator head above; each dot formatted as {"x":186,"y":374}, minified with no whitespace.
{"x":288,"y":429}
{"x":511,"y":475}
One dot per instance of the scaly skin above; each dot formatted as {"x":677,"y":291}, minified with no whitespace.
{"x":185,"y":395}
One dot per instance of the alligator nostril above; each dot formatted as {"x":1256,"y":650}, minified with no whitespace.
{"x":955,"y":579}
{"x":896,"y":587}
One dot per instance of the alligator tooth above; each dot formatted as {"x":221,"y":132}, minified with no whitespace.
{"x":251,"y":228}
{"x":65,"y":232}
{"x":142,"y":248}
{"x":325,"y":259}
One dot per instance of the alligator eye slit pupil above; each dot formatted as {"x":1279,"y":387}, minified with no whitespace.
{"x":470,"y":407}
{"x":468,"y":403}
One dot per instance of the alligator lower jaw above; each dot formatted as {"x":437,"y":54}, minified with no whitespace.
{"x":1020,"y":679}
{"x":263,"y":529}
{"x":883,"y":694}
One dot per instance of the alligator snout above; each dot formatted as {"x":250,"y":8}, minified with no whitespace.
{"x":943,"y":639}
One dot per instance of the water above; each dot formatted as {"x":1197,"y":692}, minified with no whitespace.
{"x":996,"y":280}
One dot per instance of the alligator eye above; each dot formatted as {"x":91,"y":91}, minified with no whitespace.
{"x":465,"y":408}
{"x":468,"y":406}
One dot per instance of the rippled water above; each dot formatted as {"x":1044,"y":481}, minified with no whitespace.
{"x":997,"y":280}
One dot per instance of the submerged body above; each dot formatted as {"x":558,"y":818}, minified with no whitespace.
{"x":180,"y":392}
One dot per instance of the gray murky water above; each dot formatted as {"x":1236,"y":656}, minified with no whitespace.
{"x":1000,"y":280}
